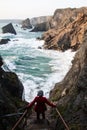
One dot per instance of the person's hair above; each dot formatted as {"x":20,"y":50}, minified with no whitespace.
{"x":40,"y":93}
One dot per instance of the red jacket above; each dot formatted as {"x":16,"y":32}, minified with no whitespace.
{"x":40,"y":105}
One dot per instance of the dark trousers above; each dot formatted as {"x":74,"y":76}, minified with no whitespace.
{"x":38,"y":115}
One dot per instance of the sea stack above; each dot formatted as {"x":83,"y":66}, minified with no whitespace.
{"x":9,"y":29}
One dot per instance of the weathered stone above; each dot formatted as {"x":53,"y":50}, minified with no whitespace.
{"x":8,"y":29}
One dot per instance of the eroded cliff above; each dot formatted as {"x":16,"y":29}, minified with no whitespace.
{"x":71,"y":93}
{"x":66,"y":33}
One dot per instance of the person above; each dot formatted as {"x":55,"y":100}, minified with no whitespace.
{"x":40,"y":106}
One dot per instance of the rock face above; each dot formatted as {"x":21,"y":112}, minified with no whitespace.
{"x":13,"y":84}
{"x":62,"y":17}
{"x":69,"y":34}
{"x":71,"y":93}
{"x":41,"y":27}
{"x":8,"y":29}
{"x":26,"y":24}
{"x":11,"y":90}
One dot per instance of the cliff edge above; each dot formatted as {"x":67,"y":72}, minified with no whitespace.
{"x":71,"y":93}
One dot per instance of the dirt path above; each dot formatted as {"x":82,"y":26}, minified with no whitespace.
{"x":46,"y":124}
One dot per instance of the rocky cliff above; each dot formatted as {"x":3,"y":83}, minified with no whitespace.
{"x":62,"y":17}
{"x":69,"y":26}
{"x":11,"y":90}
{"x":71,"y":93}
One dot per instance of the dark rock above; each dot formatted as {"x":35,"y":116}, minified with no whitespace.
{"x":26,"y":24}
{"x":1,"y":61}
{"x":11,"y":90}
{"x":13,"y":84}
{"x":4,"y":41}
{"x":9,"y":29}
{"x":39,"y":47}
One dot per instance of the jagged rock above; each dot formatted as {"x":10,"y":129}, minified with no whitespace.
{"x":67,"y":37}
{"x":62,"y":17}
{"x":8,"y":29}
{"x":4,"y":41}
{"x":71,"y":93}
{"x":26,"y":24}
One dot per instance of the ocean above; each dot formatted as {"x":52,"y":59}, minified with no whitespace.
{"x":36,"y":68}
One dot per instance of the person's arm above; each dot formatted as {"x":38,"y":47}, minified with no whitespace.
{"x":50,"y":103}
{"x":32,"y":103}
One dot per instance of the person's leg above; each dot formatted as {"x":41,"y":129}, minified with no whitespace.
{"x":38,"y":115}
{"x":43,"y":115}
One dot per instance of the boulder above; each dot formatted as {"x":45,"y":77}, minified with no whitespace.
{"x":9,"y":29}
{"x":4,"y":41}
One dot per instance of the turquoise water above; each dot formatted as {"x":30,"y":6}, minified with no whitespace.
{"x":36,"y":68}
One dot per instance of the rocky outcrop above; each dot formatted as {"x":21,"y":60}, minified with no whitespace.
{"x":41,"y":27}
{"x":67,"y":37}
{"x":62,"y":17}
{"x":9,"y":29}
{"x":71,"y":93}
{"x":11,"y":90}
{"x":26,"y":24}
{"x":70,"y":35}
{"x":4,"y":41}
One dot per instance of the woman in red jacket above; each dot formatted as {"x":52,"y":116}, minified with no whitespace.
{"x":40,"y":106}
